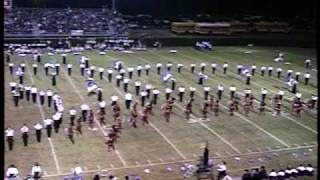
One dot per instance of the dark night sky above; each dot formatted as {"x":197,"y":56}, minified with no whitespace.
{"x":280,"y":8}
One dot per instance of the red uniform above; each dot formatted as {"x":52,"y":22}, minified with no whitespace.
{"x":216,"y":108}
{"x":144,"y":116}
{"x":205,"y":110}
{"x":167,"y":111}
{"x":247,"y":106}
{"x":277,"y":105}
{"x":116,"y":111}
{"x":133,"y":116}
{"x":231,"y":107}
{"x":296,"y":108}
{"x":211,"y":103}
{"x":91,"y":119}
{"x":188,"y":110}
{"x":110,"y":143}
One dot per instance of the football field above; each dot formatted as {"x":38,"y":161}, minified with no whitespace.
{"x":242,"y":141}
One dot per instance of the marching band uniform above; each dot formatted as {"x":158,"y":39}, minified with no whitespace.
{"x":214,"y":67}
{"x":125,"y":84}
{"x":101,"y":70}
{"x":147,"y":68}
{"x":263,"y":68}
{"x":155,"y":92}
{"x":307,"y":76}
{"x":279,"y":70}
{"x":253,"y":69}
{"x":137,"y":85}
{"x":181,"y":93}
{"x":110,"y":71}
{"x":159,"y":65}
{"x":128,"y":98}
{"x":192,"y":66}
{"x":270,"y":68}
{"x":179,"y":66}
{"x":225,"y":67}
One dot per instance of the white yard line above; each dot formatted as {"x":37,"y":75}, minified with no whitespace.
{"x":83,"y":99}
{"x":53,"y":152}
{"x":187,"y":160}
{"x":202,"y":124}
{"x":155,"y":128}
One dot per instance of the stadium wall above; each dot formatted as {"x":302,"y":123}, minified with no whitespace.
{"x":185,"y":41}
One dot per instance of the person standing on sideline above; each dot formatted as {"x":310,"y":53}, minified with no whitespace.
{"x":24,"y":130}
{"x":48,"y":124}
{"x":38,"y":127}
{"x":9,"y":135}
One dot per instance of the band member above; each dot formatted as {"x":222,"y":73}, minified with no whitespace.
{"x":91,"y":119}
{"x":99,"y":94}
{"x":206,"y":90}
{"x":169,"y":66}
{"x":137,"y":87}
{"x":173,"y":83}
{"x":122,"y":73}
{"x":192,"y":92}
{"x":155,"y":92}
{"x":28,"y":92}
{"x":203,"y":67}
{"x":239,"y":68}
{"x":220,"y":91}
{"x":296,"y":108}
{"x":70,"y":133}
{"x":41,"y":95}
{"x":312,"y":102}
{"x":101,"y":118}
{"x":270,"y":68}
{"x":69,"y":67}
{"x":149,"y":108}
{"x":225,"y":67}
{"x":307,"y":63}
{"x":64,"y":58}
{"x":294,"y":87}
{"x":147,"y":68}
{"x":133,"y":115}
{"x":179,"y":67}
{"x":11,"y":65}
{"x":128,"y":98}
{"x":166,"y":111}
{"x":264,"y":93}
{"x":114,"y":99}
{"x":8,"y":57}
{"x":262,"y":106}
{"x":307,"y":76}
{"x":168,"y":93}
{"x":247,"y":105}
{"x":34,"y":92}
{"x":35,"y":66}
{"x":119,"y":78}
{"x":84,"y":111}
{"x":211,"y":102}
{"x":263,"y":69}
{"x":144,"y":116}
{"x":110,"y":144}
{"x":23,"y":67}
{"x":289,"y":73}
{"x":16,"y":97}
{"x":143,"y":95}
{"x":13,"y":86}
{"x":49,"y":95}
{"x":213,"y":67}
{"x":205,"y":110}
{"x":10,"y":137}
{"x":24,"y":130}
{"x":39,"y":58}
{"x":116,"y":111}
{"x":216,"y":107}
{"x":48,"y":125}
{"x":280,"y":94}
{"x":53,"y":79}
{"x":181,"y":93}
{"x":159,"y":65}
{"x":248,"y":78}
{"x":297,"y":76}
{"x":193,"y":67}
{"x":139,"y":69}
{"x":188,"y":109}
{"x":279,"y":71}
{"x":101,"y":70}
{"x":253,"y":69}
{"x":79,"y":126}
{"x":46,"y":68}
{"x":148,"y":88}
{"x":236,"y":102}
{"x":232,"y":89}
{"x":57,"y":66}
{"x":38,"y":127}
{"x":276,"y":106}
{"x":231,"y":107}
{"x":109,"y":71}
{"x":130,"y":72}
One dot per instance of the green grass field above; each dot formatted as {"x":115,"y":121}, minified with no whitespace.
{"x":274,"y":142}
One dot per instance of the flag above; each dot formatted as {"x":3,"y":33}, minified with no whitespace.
{"x":91,"y":85}
{"x":167,"y":75}
{"x":246,"y":69}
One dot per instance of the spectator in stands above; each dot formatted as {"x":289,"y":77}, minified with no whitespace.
{"x":273,"y":175}
{"x":309,"y":170}
{"x":36,"y":171}
{"x":255,"y":174}
{"x":78,"y":173}
{"x":12,"y":172}
{"x":222,"y":170}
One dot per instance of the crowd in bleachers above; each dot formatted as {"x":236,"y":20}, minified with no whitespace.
{"x":62,"y":21}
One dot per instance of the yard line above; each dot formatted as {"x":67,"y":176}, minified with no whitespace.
{"x":155,"y":128}
{"x":188,"y":160}
{"x":53,"y":152}
{"x":202,"y":124}
{"x":149,"y":162}
{"x":121,"y":158}
{"x":285,"y":116}
{"x":99,"y":125}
